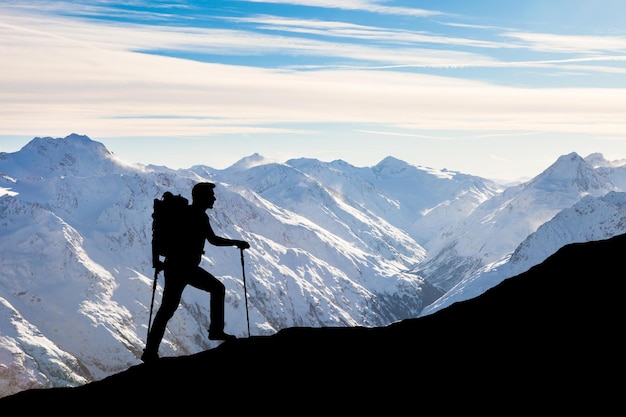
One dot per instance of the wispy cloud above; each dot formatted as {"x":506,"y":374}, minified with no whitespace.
{"x":145,"y":10}
{"x":363,"y":5}
{"x":547,"y":42}
{"x":362,"y":32}
{"x":359,"y":46}
{"x":206,"y":41}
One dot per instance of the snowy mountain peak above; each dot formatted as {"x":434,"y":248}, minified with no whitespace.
{"x":75,"y":155}
{"x":597,"y":160}
{"x":391,"y":166}
{"x":251,"y":161}
{"x":69,"y":144}
{"x":566,"y":166}
{"x":571,"y":170}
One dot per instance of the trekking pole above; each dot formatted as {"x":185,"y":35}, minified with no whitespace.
{"x":154,"y":285}
{"x":245,"y":290}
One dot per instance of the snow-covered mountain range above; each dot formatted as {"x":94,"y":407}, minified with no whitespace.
{"x":331,"y":245}
{"x":496,"y":227}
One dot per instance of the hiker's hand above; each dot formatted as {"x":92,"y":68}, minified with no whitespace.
{"x":158,"y":265}
{"x":242,"y":244}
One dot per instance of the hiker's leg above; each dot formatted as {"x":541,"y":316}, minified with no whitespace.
{"x":204,"y":280}
{"x":174,"y":286}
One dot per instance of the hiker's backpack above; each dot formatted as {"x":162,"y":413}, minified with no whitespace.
{"x":168,"y":218}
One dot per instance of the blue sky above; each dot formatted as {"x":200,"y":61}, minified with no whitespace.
{"x":491,"y":88}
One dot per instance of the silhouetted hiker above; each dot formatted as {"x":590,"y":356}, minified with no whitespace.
{"x":182,"y":269}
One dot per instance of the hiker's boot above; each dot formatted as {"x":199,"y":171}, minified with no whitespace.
{"x":220,"y":335}
{"x":149,"y":356}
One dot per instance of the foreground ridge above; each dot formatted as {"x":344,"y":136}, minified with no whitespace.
{"x":548,"y":336}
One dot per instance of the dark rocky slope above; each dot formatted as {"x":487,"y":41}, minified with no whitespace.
{"x":548,"y":340}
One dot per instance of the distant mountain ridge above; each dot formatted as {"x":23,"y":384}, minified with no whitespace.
{"x":332,"y":245}
{"x":590,"y":219}
{"x":496,"y":227}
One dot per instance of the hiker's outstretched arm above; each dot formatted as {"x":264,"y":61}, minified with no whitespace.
{"x":222,"y":241}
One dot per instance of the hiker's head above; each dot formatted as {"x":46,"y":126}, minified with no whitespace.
{"x":203,"y":195}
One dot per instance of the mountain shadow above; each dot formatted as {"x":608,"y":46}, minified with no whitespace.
{"x":548,"y":340}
